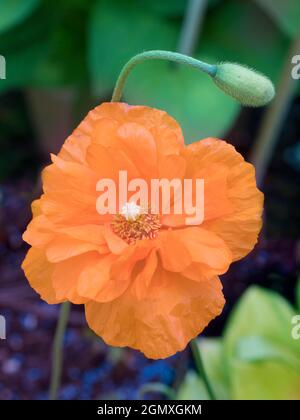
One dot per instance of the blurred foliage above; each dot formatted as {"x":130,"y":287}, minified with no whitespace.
{"x":48,"y":48}
{"x":257,"y":358}
{"x":286,"y":13}
{"x":298,"y":295}
{"x":14,"y":11}
{"x":83,"y":43}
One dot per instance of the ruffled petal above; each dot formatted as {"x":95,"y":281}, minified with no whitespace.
{"x":61,"y":243}
{"x":69,"y":193}
{"x":88,"y":233}
{"x":66,"y":277}
{"x":173,"y":252}
{"x":97,"y":280}
{"x":62,"y":248}
{"x":140,"y":146}
{"x":39,"y":274}
{"x":112,"y":161}
{"x":115,"y":244}
{"x":206,"y":247}
{"x":174,"y":311}
{"x":164,"y":129}
{"x":39,"y":232}
{"x":240,"y":227}
{"x":105,"y":278}
{"x":131,"y":138}
{"x":143,"y":279}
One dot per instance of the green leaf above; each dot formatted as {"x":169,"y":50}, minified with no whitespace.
{"x":298,"y":294}
{"x":173,"y":8}
{"x":117,"y":31}
{"x":166,"y":7}
{"x":212,"y":355}
{"x":48,"y":49}
{"x":15,"y":11}
{"x":262,"y":359}
{"x":192,"y":388}
{"x":286,"y":14}
{"x":22,"y":67}
{"x":68,"y":42}
{"x":267,"y":380}
{"x":257,"y":349}
{"x":27,"y":49}
{"x":213,"y":359}
{"x":262,"y":313}
{"x":257,"y":358}
{"x":37,"y":27}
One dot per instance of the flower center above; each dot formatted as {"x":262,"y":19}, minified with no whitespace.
{"x":133,"y":224}
{"x":131,"y":211}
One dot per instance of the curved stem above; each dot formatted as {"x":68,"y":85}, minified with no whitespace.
{"x":58,"y":350}
{"x":209,"y":69}
{"x":200,"y":368}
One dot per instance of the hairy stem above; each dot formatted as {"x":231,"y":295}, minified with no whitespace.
{"x":209,"y":69}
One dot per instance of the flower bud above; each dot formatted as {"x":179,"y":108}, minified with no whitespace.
{"x":245,"y":85}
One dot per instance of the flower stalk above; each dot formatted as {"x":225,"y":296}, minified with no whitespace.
{"x":245,"y":85}
{"x":57,"y":352}
{"x":200,"y":368}
{"x":209,"y":69}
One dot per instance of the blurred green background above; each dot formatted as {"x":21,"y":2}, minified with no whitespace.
{"x":63,"y":58}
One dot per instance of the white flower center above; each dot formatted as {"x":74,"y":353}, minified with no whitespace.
{"x":131,"y":211}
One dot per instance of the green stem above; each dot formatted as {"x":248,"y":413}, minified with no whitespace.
{"x":209,"y":69}
{"x":274,"y":117}
{"x":58,"y":350}
{"x":200,"y":368}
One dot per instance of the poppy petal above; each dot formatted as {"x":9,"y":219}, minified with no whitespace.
{"x":241,"y":227}
{"x":164,"y":321}
{"x":66,"y":276}
{"x":39,"y":274}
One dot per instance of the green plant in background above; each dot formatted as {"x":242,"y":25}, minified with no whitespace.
{"x":45,"y":47}
{"x":82,"y":43}
{"x":15,"y":11}
{"x":257,"y":357}
{"x":176,"y":89}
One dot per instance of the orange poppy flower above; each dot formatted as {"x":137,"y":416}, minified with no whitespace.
{"x":153,"y":284}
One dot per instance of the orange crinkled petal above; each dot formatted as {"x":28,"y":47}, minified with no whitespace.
{"x":240,"y":227}
{"x":174,"y":311}
{"x":39,"y":274}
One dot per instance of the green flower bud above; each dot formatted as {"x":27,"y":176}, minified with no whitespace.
{"x":245,"y":85}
